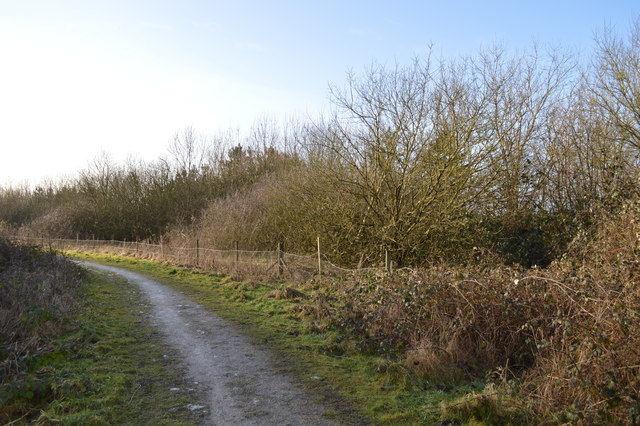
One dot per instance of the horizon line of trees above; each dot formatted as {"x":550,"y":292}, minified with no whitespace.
{"x":432,"y":161}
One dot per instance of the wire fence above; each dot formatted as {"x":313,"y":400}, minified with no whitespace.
{"x":240,"y":263}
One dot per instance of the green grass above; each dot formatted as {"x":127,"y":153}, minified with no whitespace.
{"x":109,"y":369}
{"x":361,"y":388}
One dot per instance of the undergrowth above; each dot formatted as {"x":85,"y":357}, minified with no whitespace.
{"x":565,"y":339}
{"x":38,"y":295}
{"x":77,"y":350}
{"x":490,"y":343}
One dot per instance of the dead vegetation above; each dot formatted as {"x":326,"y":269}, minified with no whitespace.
{"x":566,"y":338}
{"x":38,"y":294}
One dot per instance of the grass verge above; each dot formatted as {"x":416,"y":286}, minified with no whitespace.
{"x":109,"y":367}
{"x":382,"y":390}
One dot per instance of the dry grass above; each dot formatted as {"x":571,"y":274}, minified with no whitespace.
{"x":569,"y":334}
{"x":589,"y":360}
{"x":38,"y":293}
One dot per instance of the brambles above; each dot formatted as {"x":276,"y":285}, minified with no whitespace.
{"x":38,"y":294}
{"x":588,"y":362}
{"x":569,"y":334}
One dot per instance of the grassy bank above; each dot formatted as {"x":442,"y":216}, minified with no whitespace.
{"x":383,"y":391}
{"x":101,"y":363}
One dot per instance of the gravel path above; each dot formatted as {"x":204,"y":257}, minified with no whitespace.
{"x":237,"y":378}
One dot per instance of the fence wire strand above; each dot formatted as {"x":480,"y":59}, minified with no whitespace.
{"x":241,"y":263}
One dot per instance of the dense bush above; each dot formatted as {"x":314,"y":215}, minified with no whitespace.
{"x":587,"y":362}
{"x":570,"y":333}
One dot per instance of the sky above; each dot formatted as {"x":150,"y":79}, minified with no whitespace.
{"x":82,"y":78}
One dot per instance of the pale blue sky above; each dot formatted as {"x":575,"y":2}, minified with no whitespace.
{"x":81,"y":77}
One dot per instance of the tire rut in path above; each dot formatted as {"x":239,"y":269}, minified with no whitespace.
{"x":237,"y":377}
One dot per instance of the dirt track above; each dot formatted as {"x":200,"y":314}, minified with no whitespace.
{"x":237,"y":379}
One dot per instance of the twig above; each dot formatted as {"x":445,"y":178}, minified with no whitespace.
{"x":565,"y":289}
{"x":473,"y":282}
{"x":17,"y":420}
{"x":464,"y":297}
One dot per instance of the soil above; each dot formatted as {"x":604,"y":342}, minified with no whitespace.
{"x":238,"y":380}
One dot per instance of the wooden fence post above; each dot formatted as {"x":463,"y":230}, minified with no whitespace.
{"x":319,"y":257}
{"x":280,"y":258}
{"x":161,"y":247}
{"x":235,"y":246}
{"x":197,"y":252}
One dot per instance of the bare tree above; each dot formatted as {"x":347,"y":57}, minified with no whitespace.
{"x":616,"y":83}
{"x":189,"y":151}
{"x":404,"y":144}
{"x":520,"y":89}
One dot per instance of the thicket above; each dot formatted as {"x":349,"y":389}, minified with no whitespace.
{"x":565,"y":338}
{"x":508,"y":152}
{"x":142,"y":201}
